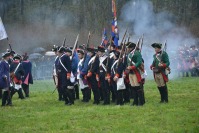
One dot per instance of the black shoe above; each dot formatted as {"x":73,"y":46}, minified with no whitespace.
{"x":161,"y":101}
{"x":106,"y":103}
{"x":95,"y":102}
{"x":9,"y":104}
{"x":133,"y":104}
{"x":126,"y":102}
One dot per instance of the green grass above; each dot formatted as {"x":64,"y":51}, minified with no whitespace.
{"x":43,"y":113}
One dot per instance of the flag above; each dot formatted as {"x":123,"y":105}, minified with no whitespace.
{"x":114,"y":27}
{"x":104,"y":38}
{"x":3,"y":33}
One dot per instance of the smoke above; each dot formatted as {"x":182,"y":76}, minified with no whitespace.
{"x":141,"y":19}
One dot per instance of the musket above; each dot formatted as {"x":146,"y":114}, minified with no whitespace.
{"x":141,"y":44}
{"x":128,"y":38}
{"x":164,"y":48}
{"x":124,"y":36}
{"x":88,"y":40}
{"x":54,"y":90}
{"x":64,"y":42}
{"x":75,"y":45}
{"x":9,"y":44}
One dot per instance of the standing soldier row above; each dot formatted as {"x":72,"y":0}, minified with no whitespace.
{"x":120,"y":75}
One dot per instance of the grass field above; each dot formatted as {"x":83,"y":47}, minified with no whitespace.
{"x":42,"y":112}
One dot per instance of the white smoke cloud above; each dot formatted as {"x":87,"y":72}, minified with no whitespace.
{"x":141,"y":19}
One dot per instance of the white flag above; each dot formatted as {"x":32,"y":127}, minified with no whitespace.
{"x":3,"y":33}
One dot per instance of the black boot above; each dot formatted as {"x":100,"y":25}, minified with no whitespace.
{"x":165,"y":94}
{"x":86,"y":98}
{"x":0,"y":93}
{"x":70,"y":96}
{"x":21,"y":94}
{"x":76,"y":91}
{"x":4,"y":98}
{"x":140,"y":96}
{"x":161,"y":94}
{"x":135,"y":91}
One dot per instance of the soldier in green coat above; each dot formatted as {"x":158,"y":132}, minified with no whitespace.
{"x":134,"y":62}
{"x":160,"y":67}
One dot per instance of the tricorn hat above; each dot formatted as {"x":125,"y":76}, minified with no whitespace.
{"x":6,"y":54}
{"x":81,"y":51}
{"x":131,"y":45}
{"x":17,"y":56}
{"x":61,"y":49}
{"x":156,"y":45}
{"x":101,"y":49}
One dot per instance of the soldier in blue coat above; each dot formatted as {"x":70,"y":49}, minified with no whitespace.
{"x":27,"y":78}
{"x":93,"y":68}
{"x":5,"y":78}
{"x":74,"y":61}
{"x":117,"y":69}
{"x":64,"y":73}
{"x":55,"y":73}
{"x":102,"y":75}
{"x":82,"y":72}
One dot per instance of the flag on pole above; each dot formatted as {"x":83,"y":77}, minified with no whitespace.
{"x":114,"y":28}
{"x":3,"y":34}
{"x":104,"y":38}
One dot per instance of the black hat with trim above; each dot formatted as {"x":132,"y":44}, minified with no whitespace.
{"x":81,"y":51}
{"x":61,"y":49}
{"x":17,"y":56}
{"x":69,"y":50}
{"x":6,"y":54}
{"x":101,"y":49}
{"x":156,"y":45}
{"x":131,"y":45}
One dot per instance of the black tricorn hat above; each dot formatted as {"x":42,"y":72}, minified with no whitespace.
{"x":25,"y":56}
{"x":6,"y":54}
{"x":17,"y":56}
{"x":156,"y":45}
{"x":101,"y":49}
{"x":192,"y":46}
{"x":131,"y":45}
{"x":81,"y":51}
{"x":91,"y":49}
{"x":81,"y":47}
{"x":69,"y":50}
{"x":61,"y":49}
{"x":55,"y":48}
{"x":11,"y":52}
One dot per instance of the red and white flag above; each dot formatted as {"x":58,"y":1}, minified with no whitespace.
{"x":3,"y":34}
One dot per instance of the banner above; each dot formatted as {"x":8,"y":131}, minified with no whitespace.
{"x":3,"y":34}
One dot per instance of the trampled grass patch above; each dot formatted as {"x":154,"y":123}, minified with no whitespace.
{"x":42,"y":112}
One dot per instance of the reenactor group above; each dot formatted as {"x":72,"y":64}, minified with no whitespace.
{"x":112,"y":74}
{"x":188,"y":61}
{"x":15,"y":76}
